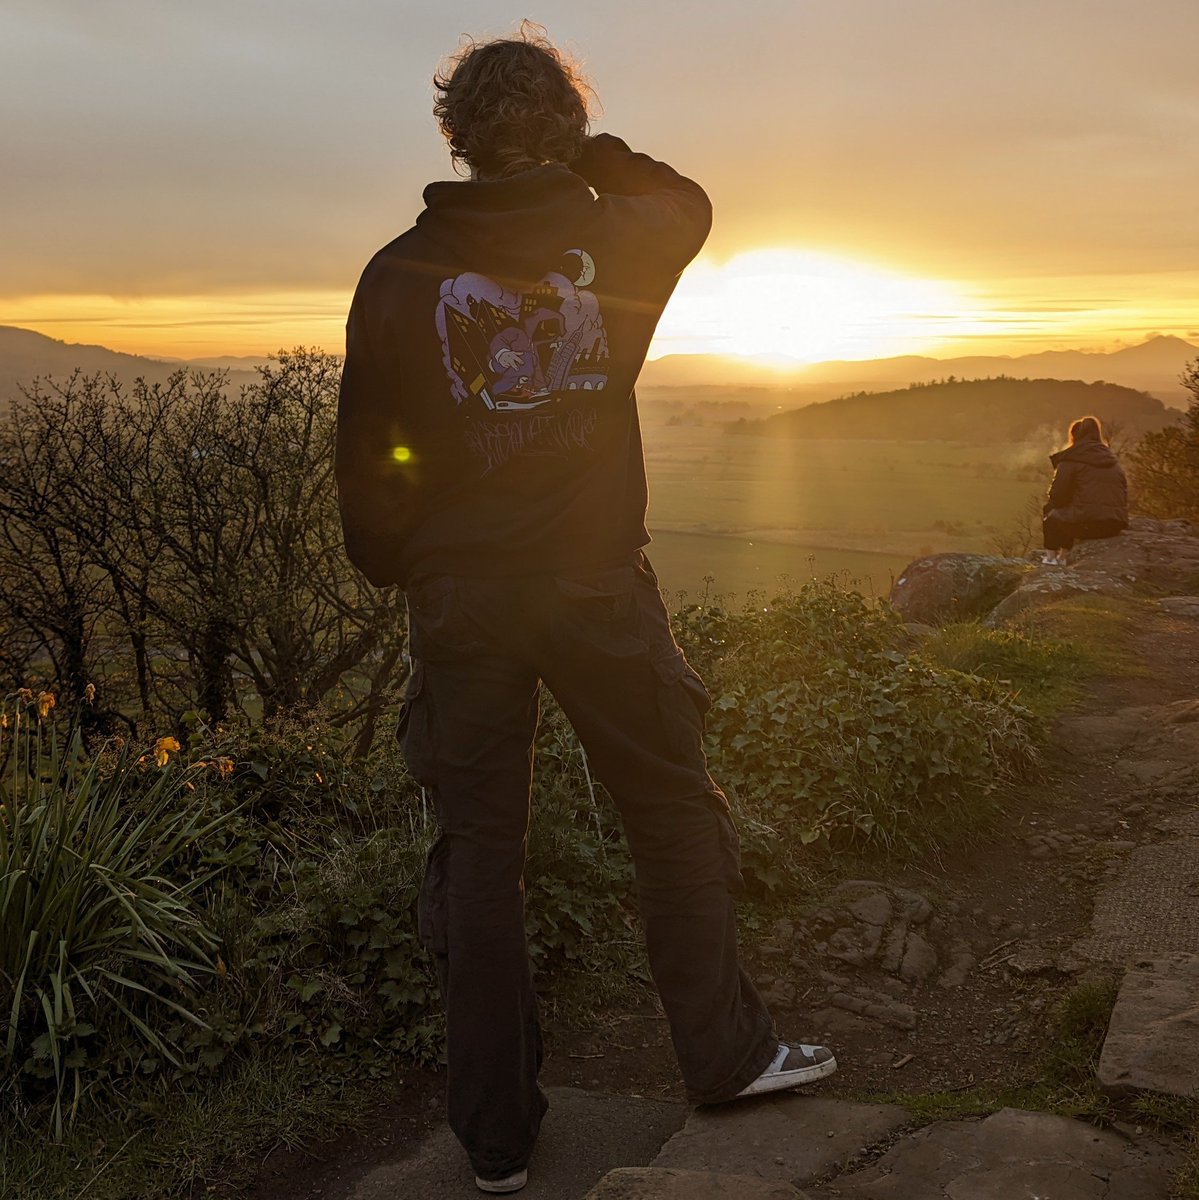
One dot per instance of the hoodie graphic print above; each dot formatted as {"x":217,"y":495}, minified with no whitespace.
{"x":508,"y":351}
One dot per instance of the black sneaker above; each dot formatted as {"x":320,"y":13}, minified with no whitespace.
{"x":793,"y":1066}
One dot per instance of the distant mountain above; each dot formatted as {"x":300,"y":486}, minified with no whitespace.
{"x":25,"y":356}
{"x":970,"y":410}
{"x":1154,"y":366}
{"x":224,"y":362}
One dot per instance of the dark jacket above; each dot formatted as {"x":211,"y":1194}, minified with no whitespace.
{"x":1088,"y":485}
{"x":487,"y":423}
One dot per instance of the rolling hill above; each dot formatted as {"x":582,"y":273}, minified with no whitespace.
{"x":25,"y":356}
{"x":969,"y":410}
{"x":1153,"y":366}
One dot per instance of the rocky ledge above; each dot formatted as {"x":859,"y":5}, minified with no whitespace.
{"x":1154,"y":558}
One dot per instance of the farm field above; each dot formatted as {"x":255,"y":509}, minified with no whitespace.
{"x":744,"y":510}
{"x":737,"y":566}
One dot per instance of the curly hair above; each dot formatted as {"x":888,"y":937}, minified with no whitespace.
{"x":511,"y":104}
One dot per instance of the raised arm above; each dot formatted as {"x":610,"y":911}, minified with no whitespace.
{"x":667,"y":214}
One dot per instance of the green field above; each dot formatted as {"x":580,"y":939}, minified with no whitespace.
{"x":745,"y":510}
{"x":695,"y":564}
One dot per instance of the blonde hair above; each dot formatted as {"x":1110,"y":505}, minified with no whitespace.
{"x":1086,"y":429}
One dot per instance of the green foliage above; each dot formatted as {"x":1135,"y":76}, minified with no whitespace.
{"x":821,"y":730}
{"x":1042,"y":672}
{"x":320,"y":866}
{"x":100,"y":948}
{"x":1165,"y":463}
{"x":302,"y":870}
{"x":579,"y":875}
{"x":1080,"y":1025}
{"x":163,"y":1141}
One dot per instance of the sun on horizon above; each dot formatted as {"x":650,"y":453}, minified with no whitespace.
{"x":785,"y":305}
{"x":800,"y":306}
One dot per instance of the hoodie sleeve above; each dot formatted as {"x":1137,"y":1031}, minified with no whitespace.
{"x":374,"y":490}
{"x":663,"y":213}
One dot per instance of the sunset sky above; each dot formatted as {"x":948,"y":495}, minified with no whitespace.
{"x":945,"y":176}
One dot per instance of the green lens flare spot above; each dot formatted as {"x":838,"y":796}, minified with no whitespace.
{"x":402,"y":454}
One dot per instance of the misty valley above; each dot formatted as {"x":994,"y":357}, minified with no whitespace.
{"x":737,"y":505}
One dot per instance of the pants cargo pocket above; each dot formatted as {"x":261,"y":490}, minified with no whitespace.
{"x":683,"y":702}
{"x":431,"y":905}
{"x":441,"y":618}
{"x":599,"y":610}
{"x":414,"y":732}
{"x":730,"y":843}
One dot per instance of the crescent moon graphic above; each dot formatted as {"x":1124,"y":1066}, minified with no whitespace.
{"x":586,"y":267}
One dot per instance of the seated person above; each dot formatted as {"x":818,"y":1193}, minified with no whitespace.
{"x":1089,"y":494}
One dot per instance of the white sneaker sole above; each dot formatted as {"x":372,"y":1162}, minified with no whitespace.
{"x":780,"y":1081}
{"x":503,"y":1187}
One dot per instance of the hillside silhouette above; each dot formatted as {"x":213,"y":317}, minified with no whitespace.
{"x":26,"y":356}
{"x":1152,"y":366}
{"x":968,"y":410}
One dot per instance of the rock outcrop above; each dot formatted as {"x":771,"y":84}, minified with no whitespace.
{"x":956,"y":587}
{"x":1162,"y":555}
{"x":786,"y":1138}
{"x":1152,"y":1042}
{"x":1150,"y":558}
{"x":1014,"y":1154}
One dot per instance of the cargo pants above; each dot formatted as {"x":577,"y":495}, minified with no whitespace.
{"x":601,"y":642}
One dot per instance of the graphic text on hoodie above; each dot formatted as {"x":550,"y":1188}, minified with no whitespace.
{"x":515,"y":350}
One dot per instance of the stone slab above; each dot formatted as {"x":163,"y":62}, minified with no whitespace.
{"x":784,"y":1137}
{"x":1014,"y":1155}
{"x":1181,"y":606}
{"x":1153,"y":1038}
{"x":661,"y":1183}
{"x":1050,"y":586}
{"x":1151,"y":909}
{"x":583,"y":1137}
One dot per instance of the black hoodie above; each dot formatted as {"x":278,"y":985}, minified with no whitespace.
{"x":487,"y":423}
{"x":1088,"y":484}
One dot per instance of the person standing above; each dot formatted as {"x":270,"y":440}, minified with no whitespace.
{"x":1089,"y":494}
{"x":489,"y":462}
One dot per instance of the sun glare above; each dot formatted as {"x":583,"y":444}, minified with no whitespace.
{"x":794,"y":305}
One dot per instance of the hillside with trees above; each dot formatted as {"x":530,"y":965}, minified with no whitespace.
{"x":26,"y":356}
{"x":1165,"y":464}
{"x":1153,"y":366}
{"x":999,"y":409}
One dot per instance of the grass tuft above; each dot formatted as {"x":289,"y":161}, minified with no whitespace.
{"x":1100,"y":629}
{"x":180,"y":1143}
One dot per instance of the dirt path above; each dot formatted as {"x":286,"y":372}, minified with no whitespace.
{"x":939,"y":977}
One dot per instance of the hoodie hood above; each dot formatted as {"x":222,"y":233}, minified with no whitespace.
{"x":506,"y":225}
{"x":1093,"y":454}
